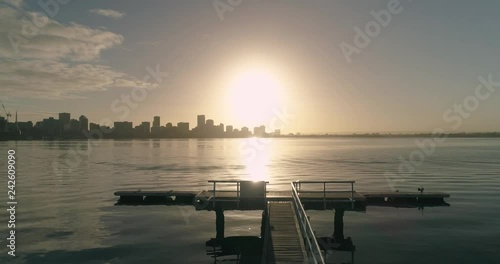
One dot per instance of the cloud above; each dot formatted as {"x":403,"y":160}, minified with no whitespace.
{"x":149,"y":43}
{"x":15,"y":3}
{"x":24,"y":39}
{"x":50,"y":79}
{"x":54,"y":60}
{"x":108,"y":13}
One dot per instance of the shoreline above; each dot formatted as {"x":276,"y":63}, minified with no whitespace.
{"x":423,"y":135}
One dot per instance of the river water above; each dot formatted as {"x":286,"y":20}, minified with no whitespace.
{"x":66,"y":213}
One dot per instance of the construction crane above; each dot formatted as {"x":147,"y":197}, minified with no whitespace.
{"x":5,"y":121}
{"x":8,"y":114}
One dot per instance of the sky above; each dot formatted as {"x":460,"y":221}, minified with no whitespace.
{"x":430,"y":65}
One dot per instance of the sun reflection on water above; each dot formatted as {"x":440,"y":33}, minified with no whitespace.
{"x":257,"y":162}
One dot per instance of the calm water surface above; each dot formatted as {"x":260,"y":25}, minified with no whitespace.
{"x":66,"y":211}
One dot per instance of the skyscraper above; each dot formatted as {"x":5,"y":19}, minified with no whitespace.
{"x":220,"y":130}
{"x":94,"y":127}
{"x":156,"y":121}
{"x":210,"y":123}
{"x":183,"y":127}
{"x":146,"y":126}
{"x":201,"y":121}
{"x":123,"y":129}
{"x":259,"y":131}
{"x":245,"y":131}
{"x":64,"y":118}
{"x":74,"y":126}
{"x":49,"y":126}
{"x":64,"y":122}
{"x":84,"y":123}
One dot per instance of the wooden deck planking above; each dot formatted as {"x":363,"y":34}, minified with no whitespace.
{"x":285,"y":244}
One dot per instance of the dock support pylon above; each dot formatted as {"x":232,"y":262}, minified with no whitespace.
{"x":338,"y":224}
{"x":219,"y":223}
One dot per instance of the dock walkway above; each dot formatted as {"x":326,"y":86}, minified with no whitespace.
{"x":284,"y":241}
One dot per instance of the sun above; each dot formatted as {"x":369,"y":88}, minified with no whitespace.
{"x":254,"y":96}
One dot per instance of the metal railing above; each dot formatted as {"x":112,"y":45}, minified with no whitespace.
{"x":312,"y":248}
{"x":267,"y":233}
{"x":298,"y":185}
{"x":214,"y":191}
{"x":238,"y":192}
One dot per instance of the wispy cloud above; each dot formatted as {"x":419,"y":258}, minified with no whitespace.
{"x":16,"y":3}
{"x":59,"y":80}
{"x":108,"y":13}
{"x":149,"y":43}
{"x":60,"y":61}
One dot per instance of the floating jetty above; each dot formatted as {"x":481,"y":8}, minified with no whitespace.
{"x":249,"y":195}
{"x":286,"y":233}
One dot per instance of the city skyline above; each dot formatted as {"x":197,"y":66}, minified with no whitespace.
{"x":66,"y":127}
{"x":109,"y":123}
{"x":324,"y":67}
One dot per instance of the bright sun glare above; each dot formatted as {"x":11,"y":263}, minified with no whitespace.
{"x":253,"y":95}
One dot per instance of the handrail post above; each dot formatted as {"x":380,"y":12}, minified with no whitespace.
{"x":352,"y":194}
{"x":324,"y":195}
{"x":214,"y":192}
{"x":265,"y":192}
{"x":238,"y":193}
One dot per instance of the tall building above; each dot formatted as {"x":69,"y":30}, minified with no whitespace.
{"x":123,"y":129}
{"x":25,"y":127}
{"x":143,"y":130}
{"x":183,"y":127}
{"x":220,"y":130}
{"x":259,"y":131}
{"x":245,"y":132}
{"x":64,"y":122}
{"x":201,"y":121}
{"x":84,"y":123}
{"x":74,"y":126}
{"x":94,"y":126}
{"x":49,"y":126}
{"x":229,"y":129}
{"x":210,"y":123}
{"x":156,"y":121}
{"x":64,"y":118}
{"x":146,"y":126}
